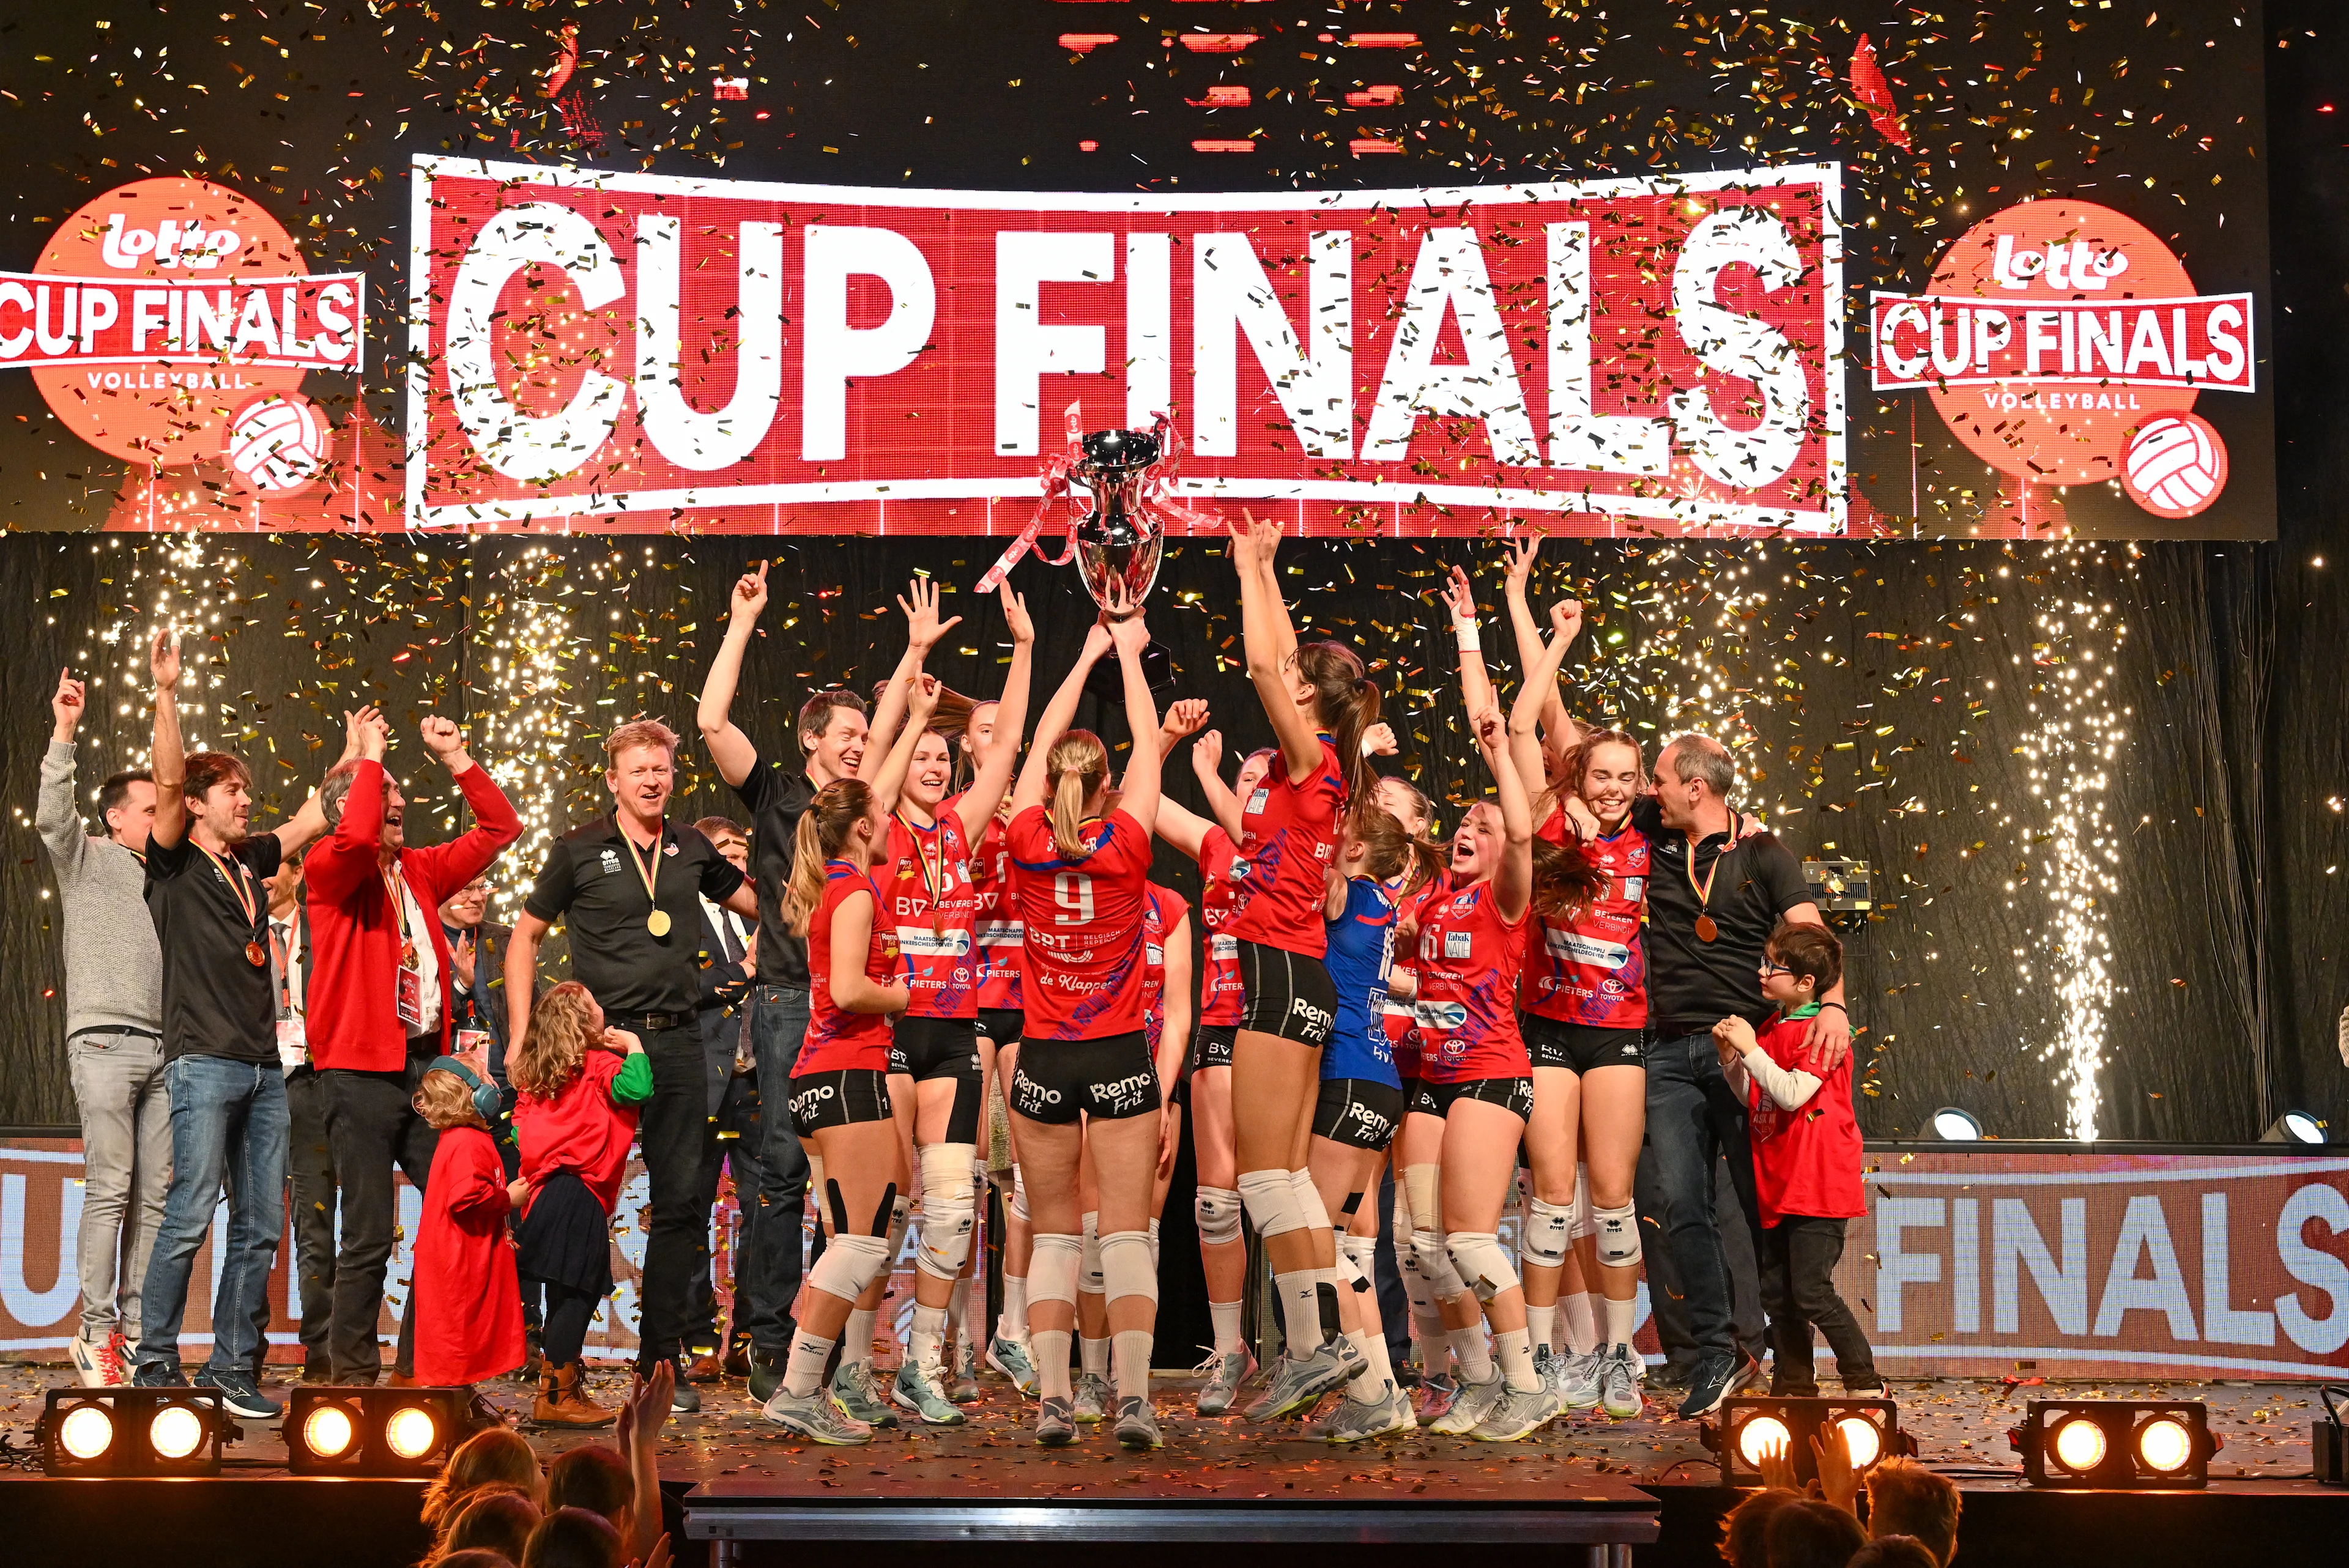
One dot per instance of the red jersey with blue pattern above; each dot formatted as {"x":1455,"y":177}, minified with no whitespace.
{"x":1402,"y":1022}
{"x":1469,"y":960}
{"x":1162,"y":909}
{"x":930,"y":900}
{"x":1082,"y":918}
{"x":995,"y":925}
{"x":1288,"y":836}
{"x":1593,"y":969}
{"x":837,"y":1040}
{"x":1222,"y":999}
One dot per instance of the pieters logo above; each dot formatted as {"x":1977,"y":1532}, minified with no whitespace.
{"x":170,"y":322}
{"x":2065,"y":345}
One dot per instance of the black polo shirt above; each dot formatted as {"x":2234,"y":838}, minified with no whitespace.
{"x":589,"y":884}
{"x":1693,"y":984}
{"x":216,"y":1001}
{"x":776,"y":797}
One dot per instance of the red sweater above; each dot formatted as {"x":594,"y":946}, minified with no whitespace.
{"x":585,"y":1127}
{"x":468,"y":1300}
{"x":354,"y":1010}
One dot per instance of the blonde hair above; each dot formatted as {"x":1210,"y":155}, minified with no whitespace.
{"x":444,"y":1099}
{"x":555,"y":1045}
{"x":823,"y":832}
{"x":497,"y":1457}
{"x":1078,"y":766}
{"x":640,"y":732}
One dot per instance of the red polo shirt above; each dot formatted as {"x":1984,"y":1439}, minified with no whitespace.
{"x":354,"y":1011}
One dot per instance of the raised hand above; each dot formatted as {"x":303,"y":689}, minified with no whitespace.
{"x":1459,"y":598}
{"x":1379,"y":740}
{"x":1129,"y":636}
{"x":1838,"y":1482}
{"x":441,"y":735}
{"x":1015,"y":614}
{"x":1267,"y":537}
{"x":750,"y":595}
{"x":1518,"y":562}
{"x":461,"y":959}
{"x":1207,"y":755}
{"x":1185,"y":717}
{"x":1565,"y":619}
{"x":1243,"y":549}
{"x":1777,"y":1469}
{"x":66,"y":705}
{"x":164,"y":660}
{"x":923,"y":627}
{"x":1492,"y":729}
{"x":922,"y":700}
{"x":1097,"y":641}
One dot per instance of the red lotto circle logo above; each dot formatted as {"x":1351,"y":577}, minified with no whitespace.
{"x":277,"y":441}
{"x":2175,"y":465}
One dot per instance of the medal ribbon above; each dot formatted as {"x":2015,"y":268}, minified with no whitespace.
{"x":932,"y":876}
{"x":395,"y":888}
{"x":247,"y":898}
{"x":653,"y":876}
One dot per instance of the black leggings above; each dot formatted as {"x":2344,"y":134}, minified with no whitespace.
{"x":568,"y":1313}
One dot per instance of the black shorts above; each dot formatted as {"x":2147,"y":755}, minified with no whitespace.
{"x":1000,"y":1026}
{"x":1361,"y":1113}
{"x":1211,"y":1046}
{"x":1059,"y":1080}
{"x":1433,"y":1099}
{"x":838,"y":1099}
{"x":1288,"y":994}
{"x":1579,"y":1047}
{"x":926,"y":1048}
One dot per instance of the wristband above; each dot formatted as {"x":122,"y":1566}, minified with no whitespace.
{"x":1470,"y":643}
{"x":1838,"y":1006}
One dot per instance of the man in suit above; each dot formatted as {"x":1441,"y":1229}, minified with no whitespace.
{"x":729,"y":965}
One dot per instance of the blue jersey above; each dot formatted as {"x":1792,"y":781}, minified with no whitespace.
{"x":1361,"y":949}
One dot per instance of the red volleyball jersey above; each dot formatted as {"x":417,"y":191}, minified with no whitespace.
{"x":837,"y":1040}
{"x":996,"y":926}
{"x":1469,"y":960}
{"x":1288,"y":836}
{"x":935,"y":909}
{"x":1402,"y":1022}
{"x":1082,"y":920}
{"x":1807,"y":1160}
{"x":1162,"y":909}
{"x":1221,"y":997}
{"x":1592,"y":970}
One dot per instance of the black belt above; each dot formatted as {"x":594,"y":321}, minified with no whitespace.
{"x":637,"y":1023}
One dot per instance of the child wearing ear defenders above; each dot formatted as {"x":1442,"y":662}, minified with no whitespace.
{"x":467,"y":1301}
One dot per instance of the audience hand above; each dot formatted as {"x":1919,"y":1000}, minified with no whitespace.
{"x":1838,"y":1483}
{"x":1778,"y":1468}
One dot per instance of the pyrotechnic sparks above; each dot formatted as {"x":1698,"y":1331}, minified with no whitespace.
{"x":526,"y":703}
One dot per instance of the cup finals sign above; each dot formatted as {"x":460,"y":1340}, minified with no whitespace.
{"x":644,"y":351}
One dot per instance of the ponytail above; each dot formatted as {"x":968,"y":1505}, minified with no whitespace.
{"x":1566,"y":881}
{"x":823,"y":832}
{"x":1346,"y":703}
{"x":1386,"y":847}
{"x":1078,"y":766}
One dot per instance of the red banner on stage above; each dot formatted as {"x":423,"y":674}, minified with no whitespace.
{"x":637,"y":351}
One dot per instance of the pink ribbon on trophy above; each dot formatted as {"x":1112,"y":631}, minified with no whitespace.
{"x":1060,"y":468}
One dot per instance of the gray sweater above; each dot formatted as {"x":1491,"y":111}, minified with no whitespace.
{"x":114,"y":966}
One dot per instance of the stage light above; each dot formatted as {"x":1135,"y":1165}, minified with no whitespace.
{"x":2294,"y":1127}
{"x":2135,"y":1445}
{"x":374,"y":1431}
{"x":1752,"y":1429}
{"x":133,"y":1432}
{"x":1954,"y":1126}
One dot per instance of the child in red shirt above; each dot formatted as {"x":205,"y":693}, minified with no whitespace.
{"x":580,"y":1084}
{"x":468,"y":1300}
{"x":1807,"y":1163}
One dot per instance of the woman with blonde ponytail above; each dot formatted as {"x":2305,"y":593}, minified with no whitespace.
{"x":1082,"y":858}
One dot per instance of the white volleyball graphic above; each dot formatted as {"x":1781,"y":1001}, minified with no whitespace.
{"x":278,"y":442}
{"x":2175,"y":465}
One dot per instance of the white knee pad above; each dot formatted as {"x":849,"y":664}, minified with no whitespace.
{"x":1126,"y":1265}
{"x":950,"y":1209}
{"x":1435,"y":1265}
{"x":1270,"y":1198}
{"x":849,"y":1266}
{"x":1309,"y":1202}
{"x":1422,"y":1189}
{"x":1088,"y":1259}
{"x":1052,"y":1270}
{"x":1619,"y":1235}
{"x":1548,"y":1232}
{"x":1483,"y":1263}
{"x":1019,"y":1196}
{"x":1217,"y":1212}
{"x":1358,"y":1260}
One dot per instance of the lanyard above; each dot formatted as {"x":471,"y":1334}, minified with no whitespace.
{"x":282,"y":950}
{"x":395,"y":887}
{"x":933,"y":874}
{"x":247,"y":899}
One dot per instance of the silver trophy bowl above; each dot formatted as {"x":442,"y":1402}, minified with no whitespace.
{"x":1118,"y":542}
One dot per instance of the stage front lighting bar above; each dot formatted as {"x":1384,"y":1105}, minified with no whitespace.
{"x":1750,"y":1428}
{"x":368,"y":1431}
{"x":2127,"y":1445}
{"x":133,"y":1432}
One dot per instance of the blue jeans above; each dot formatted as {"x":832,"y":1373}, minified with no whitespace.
{"x":228,"y":1128}
{"x":1694,"y":1119}
{"x":772,"y":1264}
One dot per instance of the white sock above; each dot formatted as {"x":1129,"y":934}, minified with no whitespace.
{"x":966,"y":1310}
{"x":1367,"y":1384}
{"x":1621,"y":1315}
{"x":856,"y":1339}
{"x":1541,"y":1324}
{"x":1516,"y":1352}
{"x":1095,"y":1353}
{"x":1011,"y":1322}
{"x":1300,"y":1310}
{"x":925,"y":1346}
{"x":1132,"y":1348}
{"x":804,"y":1370}
{"x":1049,"y":1349}
{"x":1469,"y":1350}
{"x":1581,"y":1322}
{"x":1225,"y":1316}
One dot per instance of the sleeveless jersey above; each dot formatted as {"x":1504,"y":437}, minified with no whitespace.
{"x":995,"y":925}
{"x":836,"y":1039}
{"x":1401,"y":1020}
{"x":1362,"y":951}
{"x":935,"y":909}
{"x":1082,"y":922}
{"x":1221,"y":997}
{"x":1162,"y":909}
{"x":1469,"y":960}
{"x":1593,"y":970}
{"x":1289,"y":833}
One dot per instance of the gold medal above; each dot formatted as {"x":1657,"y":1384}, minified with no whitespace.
{"x":657,"y":922}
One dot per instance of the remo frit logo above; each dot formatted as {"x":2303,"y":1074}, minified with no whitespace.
{"x":2065,"y":345}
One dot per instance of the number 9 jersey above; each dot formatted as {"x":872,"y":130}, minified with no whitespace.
{"x":1082,"y":919}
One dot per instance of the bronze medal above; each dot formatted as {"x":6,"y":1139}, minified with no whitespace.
{"x":1705,"y":930}
{"x":255,"y":956}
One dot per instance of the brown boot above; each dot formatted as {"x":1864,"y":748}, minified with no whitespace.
{"x":563,"y":1399}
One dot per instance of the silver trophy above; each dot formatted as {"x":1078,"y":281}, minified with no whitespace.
{"x":1118,"y":541}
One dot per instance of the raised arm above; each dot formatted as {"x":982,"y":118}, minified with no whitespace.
{"x":1271,"y":645}
{"x":1559,"y":731}
{"x":54,"y":815}
{"x":310,"y":821}
{"x":169,"y":762}
{"x":1138,"y":792}
{"x":1035,"y":778}
{"x":1513,"y":880}
{"x":889,"y":779}
{"x":729,"y":746}
{"x":923,"y":630}
{"x":1541,"y":680}
{"x":1460,"y":598}
{"x":993,"y":776}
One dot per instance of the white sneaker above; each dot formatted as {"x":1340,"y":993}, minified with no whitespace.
{"x":1476,"y":1401}
{"x":1577,"y":1385}
{"x":1618,"y":1383}
{"x":98,"y":1365}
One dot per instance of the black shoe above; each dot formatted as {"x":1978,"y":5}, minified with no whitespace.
{"x":683,"y":1401}
{"x":766,"y":1376}
{"x":1672,"y":1376}
{"x":1717,"y":1378}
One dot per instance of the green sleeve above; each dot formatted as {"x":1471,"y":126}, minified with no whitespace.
{"x":634,"y":1085}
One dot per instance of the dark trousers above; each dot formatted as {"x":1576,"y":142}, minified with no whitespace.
{"x":310,"y":1179}
{"x":779,"y":1022}
{"x":734,"y":1147}
{"x":673,"y":1128}
{"x":1394,"y":1302}
{"x":1798,"y":1263}
{"x":1695,"y":1121}
{"x":372,"y":1128}
{"x":1667,"y":1299}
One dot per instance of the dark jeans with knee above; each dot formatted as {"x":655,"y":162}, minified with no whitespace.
{"x":1799,"y":1254}
{"x":310,"y":1182}
{"x":371,"y":1128}
{"x":734,"y":1144}
{"x":673,"y":1128}
{"x":1695,"y":1119}
{"x":767,"y":1275}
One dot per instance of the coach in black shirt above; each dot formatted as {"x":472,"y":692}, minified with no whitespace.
{"x":629,"y":886}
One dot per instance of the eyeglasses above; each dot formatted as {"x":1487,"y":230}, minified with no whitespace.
{"x":1770,"y":967}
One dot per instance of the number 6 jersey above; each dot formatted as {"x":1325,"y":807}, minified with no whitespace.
{"x":1082,"y":925}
